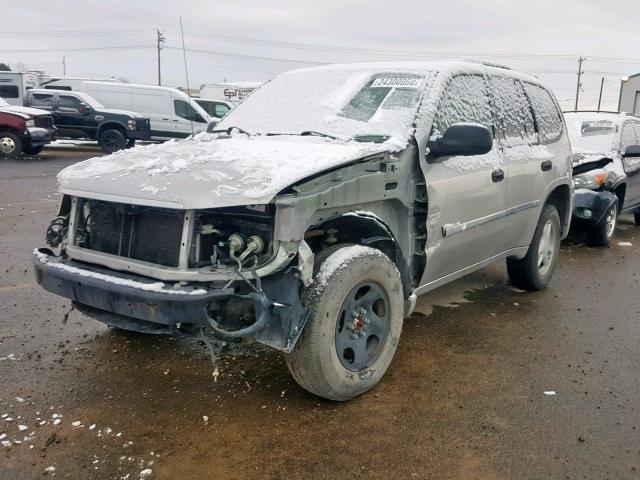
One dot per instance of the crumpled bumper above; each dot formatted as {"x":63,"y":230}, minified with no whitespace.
{"x":590,"y":207}
{"x":140,"y":304}
{"x":126,"y":301}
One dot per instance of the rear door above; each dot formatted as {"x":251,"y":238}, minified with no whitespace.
{"x":467,"y":195}
{"x":631,"y":136}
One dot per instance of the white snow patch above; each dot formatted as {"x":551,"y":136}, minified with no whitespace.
{"x":146,"y":473}
{"x":11,"y":356}
{"x":550,"y":393}
{"x":625,"y":244}
{"x":22,"y":428}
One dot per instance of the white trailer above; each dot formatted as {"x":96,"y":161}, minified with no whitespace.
{"x":229,"y":92}
{"x":13,"y":86}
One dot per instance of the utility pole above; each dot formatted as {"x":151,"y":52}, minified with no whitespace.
{"x":580,"y":61}
{"x":600,"y":97}
{"x":161,"y":40}
{"x":64,"y":65}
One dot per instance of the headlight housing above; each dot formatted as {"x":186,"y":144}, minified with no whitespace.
{"x":30,"y":123}
{"x":591,"y":180}
{"x":131,"y":124}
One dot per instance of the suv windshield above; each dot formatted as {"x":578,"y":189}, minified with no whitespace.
{"x":591,"y":134}
{"x":339,"y":102}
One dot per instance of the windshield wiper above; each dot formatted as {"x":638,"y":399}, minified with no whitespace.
{"x":313,"y":133}
{"x":229,"y":129}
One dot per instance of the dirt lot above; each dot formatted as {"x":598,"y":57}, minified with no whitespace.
{"x":464,"y":398}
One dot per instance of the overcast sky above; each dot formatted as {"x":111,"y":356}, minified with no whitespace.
{"x":313,"y":29}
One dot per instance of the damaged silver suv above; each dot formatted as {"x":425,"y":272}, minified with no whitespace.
{"x":312,"y":216}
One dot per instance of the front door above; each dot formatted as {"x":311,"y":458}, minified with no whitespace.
{"x":631,"y":136}
{"x":467,"y":195}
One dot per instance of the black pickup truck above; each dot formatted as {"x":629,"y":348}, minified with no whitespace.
{"x":78,"y":115}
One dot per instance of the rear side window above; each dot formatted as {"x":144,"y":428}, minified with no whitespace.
{"x":41,"y":100}
{"x":9,"y":91}
{"x":464,"y":101}
{"x":512,"y":110}
{"x":548,"y":117}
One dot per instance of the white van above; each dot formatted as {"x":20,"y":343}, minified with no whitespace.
{"x":13,"y":86}
{"x":171,"y":112}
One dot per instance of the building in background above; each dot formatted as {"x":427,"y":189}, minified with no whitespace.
{"x":630,"y":94}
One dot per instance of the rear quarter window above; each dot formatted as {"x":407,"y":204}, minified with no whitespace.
{"x":9,"y":91}
{"x":547,"y":115}
{"x":513,"y":111}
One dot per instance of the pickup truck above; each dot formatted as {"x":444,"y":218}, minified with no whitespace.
{"x":24,"y":130}
{"x":79,"y":115}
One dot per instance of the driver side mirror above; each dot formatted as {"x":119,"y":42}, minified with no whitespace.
{"x":84,"y":108}
{"x":464,"y":139}
{"x":632,"y":151}
{"x":212,"y":126}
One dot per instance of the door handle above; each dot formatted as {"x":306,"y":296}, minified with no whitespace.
{"x":163,"y":118}
{"x":497,"y":176}
{"x":546,"y":165}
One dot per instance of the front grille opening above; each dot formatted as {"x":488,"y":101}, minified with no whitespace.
{"x":141,"y":233}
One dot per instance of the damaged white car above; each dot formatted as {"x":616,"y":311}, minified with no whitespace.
{"x":312,"y":216}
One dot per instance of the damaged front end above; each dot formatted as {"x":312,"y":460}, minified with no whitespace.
{"x":158,"y":270}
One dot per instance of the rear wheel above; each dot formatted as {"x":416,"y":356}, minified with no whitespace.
{"x":33,"y":150}
{"x":534,"y":271}
{"x":112,"y":140}
{"x":601,"y":236}
{"x":10,"y":145}
{"x":357,"y":311}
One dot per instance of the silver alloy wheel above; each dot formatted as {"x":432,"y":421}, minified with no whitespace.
{"x":547,"y":248}
{"x":7,"y":145}
{"x":612,"y":218}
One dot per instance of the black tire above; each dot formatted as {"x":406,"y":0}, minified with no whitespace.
{"x":601,"y":236}
{"x":112,"y":140}
{"x":348,"y":278}
{"x":10,"y":145}
{"x":636,"y":217}
{"x":33,"y":150}
{"x":131,"y":142}
{"x":528,"y":273}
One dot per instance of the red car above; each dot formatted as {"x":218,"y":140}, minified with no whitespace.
{"x":24,"y":130}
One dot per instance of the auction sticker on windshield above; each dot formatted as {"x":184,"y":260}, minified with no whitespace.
{"x":402,"y":82}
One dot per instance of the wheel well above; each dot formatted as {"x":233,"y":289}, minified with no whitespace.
{"x":9,"y":130}
{"x":560,"y":197}
{"x":112,"y":126}
{"x":361,"y":230}
{"x":621,"y":191}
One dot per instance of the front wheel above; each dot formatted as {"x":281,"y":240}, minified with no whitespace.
{"x":112,"y":140}
{"x":33,"y":150}
{"x":10,"y":145}
{"x":357,"y":311}
{"x":601,"y":236}
{"x":534,"y":271}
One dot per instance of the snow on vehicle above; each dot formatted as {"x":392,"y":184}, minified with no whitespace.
{"x":318,"y":210}
{"x":606,"y":161}
{"x":24,"y":130}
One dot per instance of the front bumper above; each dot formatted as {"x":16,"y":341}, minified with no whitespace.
{"x":39,"y":136}
{"x":140,"y":304}
{"x":590,"y":207}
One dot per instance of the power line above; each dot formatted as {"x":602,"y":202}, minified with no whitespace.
{"x":75,"y":49}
